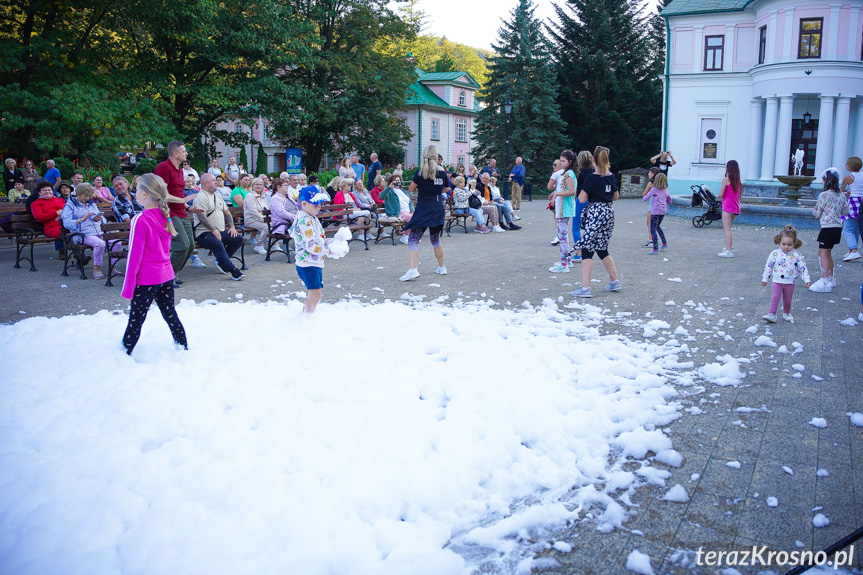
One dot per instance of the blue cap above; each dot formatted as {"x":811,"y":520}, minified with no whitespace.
{"x":313,"y":195}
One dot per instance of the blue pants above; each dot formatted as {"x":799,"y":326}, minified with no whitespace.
{"x":851,"y":231}
{"x":223,"y":250}
{"x":576,"y":221}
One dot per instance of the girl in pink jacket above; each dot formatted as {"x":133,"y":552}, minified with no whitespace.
{"x":149,"y":274}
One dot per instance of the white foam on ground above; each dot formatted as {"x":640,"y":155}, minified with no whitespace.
{"x":277,"y":453}
{"x":818,"y":422}
{"x":677,"y":494}
{"x":639,"y":562}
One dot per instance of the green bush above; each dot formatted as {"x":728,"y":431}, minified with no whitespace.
{"x":145,"y":166}
{"x":105,"y":161}
{"x":325,"y":177}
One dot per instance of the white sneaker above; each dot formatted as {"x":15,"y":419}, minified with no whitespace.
{"x":788,"y":317}
{"x":821,"y":286}
{"x":559,"y":268}
{"x":851,"y":256}
{"x":771,"y":317}
{"x":831,"y":281}
{"x":261,"y":249}
{"x":554,"y":242}
{"x":253,"y":241}
{"x":385,"y":235}
{"x":497,"y":230}
{"x":411,"y":274}
{"x":860,"y":316}
{"x":196,"y":262}
{"x":278,"y":246}
{"x":516,"y":217}
{"x":404,"y":240}
{"x":726,"y":254}
{"x":441,"y":270}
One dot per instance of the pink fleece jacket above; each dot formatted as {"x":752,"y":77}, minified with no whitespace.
{"x":149,"y":261}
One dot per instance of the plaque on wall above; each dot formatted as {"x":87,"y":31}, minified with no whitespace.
{"x":709,"y":151}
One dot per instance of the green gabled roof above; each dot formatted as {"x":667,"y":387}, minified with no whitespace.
{"x":681,"y":7}
{"x":447,"y":77}
{"x":421,"y":95}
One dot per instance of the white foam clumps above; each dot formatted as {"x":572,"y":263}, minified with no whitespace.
{"x":733,"y":464}
{"x":199,"y":461}
{"x":722,"y":374}
{"x":856,"y":419}
{"x":639,"y":562}
{"x":677,"y":494}
{"x":338,"y":246}
{"x":764,"y":341}
{"x":820,"y":520}
{"x":851,"y":322}
{"x":772,"y":502}
{"x":818,"y":422}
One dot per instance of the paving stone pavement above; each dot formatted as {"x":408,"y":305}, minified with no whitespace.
{"x":727,"y":509}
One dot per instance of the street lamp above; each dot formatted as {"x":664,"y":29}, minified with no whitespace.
{"x":507,"y":107}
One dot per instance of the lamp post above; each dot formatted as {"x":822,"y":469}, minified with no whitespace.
{"x":507,"y":107}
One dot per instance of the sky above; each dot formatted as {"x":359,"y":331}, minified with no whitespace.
{"x":474,"y":23}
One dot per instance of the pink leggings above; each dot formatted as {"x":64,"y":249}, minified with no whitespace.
{"x":785,"y":291}
{"x":98,"y":245}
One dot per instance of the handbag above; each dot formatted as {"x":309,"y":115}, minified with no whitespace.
{"x":474,"y":202}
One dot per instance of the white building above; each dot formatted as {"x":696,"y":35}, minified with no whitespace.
{"x":743,"y":76}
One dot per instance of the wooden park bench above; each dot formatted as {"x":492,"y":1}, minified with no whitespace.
{"x":28,"y":233}
{"x":335,"y":216}
{"x":115,"y":233}
{"x":274,"y":237}
{"x":454,"y":220}
{"x":383,"y":221}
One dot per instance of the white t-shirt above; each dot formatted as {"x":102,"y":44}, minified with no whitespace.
{"x":295,"y":192}
{"x":233,"y":171}
{"x":404,"y":200}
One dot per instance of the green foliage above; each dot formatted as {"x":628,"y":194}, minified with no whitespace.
{"x":521,"y":72}
{"x":326,"y":176}
{"x":243,"y":159}
{"x":348,"y":82}
{"x":261,"y":161}
{"x":445,"y":64}
{"x":145,"y":166}
{"x":105,"y":160}
{"x":608,"y":92}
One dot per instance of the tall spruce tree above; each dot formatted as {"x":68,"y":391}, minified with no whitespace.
{"x":521,"y":71}
{"x":609,"y":92}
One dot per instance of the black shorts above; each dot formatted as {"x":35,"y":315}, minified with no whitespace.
{"x":829,"y":237}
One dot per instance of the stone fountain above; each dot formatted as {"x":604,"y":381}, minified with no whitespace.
{"x":792,"y":188}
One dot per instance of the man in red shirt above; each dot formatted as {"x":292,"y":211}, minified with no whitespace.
{"x":183,"y":244}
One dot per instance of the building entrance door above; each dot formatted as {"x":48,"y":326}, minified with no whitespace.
{"x":804,"y":137}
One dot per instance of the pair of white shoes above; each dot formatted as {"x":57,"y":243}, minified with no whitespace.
{"x":414,"y":273}
{"x":771,"y":317}
{"x":851,"y":256}
{"x":824,"y":285}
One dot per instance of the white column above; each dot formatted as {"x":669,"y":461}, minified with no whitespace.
{"x":833,"y":37}
{"x":824,"y":146}
{"x":840,"y":134}
{"x":771,"y":39}
{"x":768,"y":157}
{"x":852,"y":35}
{"x":858,"y":136}
{"x":788,"y":51}
{"x":728,"y":65}
{"x":783,"y":136}
{"x":699,"y":50}
{"x":756,"y":119}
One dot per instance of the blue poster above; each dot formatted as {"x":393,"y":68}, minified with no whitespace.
{"x":293,"y":160}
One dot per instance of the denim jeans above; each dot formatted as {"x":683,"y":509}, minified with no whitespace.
{"x":851,"y":231}
{"x":576,"y":221}
{"x":505,"y":211}
{"x":223,"y":250}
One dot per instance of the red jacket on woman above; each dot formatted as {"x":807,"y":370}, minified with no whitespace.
{"x":45,"y":211}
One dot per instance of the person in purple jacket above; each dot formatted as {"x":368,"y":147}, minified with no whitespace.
{"x":149,"y":274}
{"x":658,"y":207}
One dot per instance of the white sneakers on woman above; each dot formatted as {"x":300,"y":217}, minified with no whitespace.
{"x":411,"y":274}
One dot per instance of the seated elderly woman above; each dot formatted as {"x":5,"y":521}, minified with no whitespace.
{"x":283,"y":208}
{"x":82,"y":217}
{"x":362,"y":195}
{"x":461,"y":204}
{"x":397,"y":203}
{"x":348,"y":198}
{"x":253,"y":215}
{"x":380,"y":183}
{"x":487,"y":208}
{"x":47,"y":209}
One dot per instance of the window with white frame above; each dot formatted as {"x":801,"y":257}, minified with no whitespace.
{"x":462,"y":98}
{"x":461,"y":130}
{"x":435,"y":129}
{"x":460,"y":160}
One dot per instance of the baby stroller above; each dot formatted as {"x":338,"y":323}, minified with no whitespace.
{"x":701,"y":195}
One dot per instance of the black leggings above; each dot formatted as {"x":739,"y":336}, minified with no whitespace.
{"x":588,"y":255}
{"x":144,"y":296}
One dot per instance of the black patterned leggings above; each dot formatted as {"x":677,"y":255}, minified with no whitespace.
{"x":144,"y":296}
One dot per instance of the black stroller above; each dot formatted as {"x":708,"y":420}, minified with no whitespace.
{"x":702,"y":196}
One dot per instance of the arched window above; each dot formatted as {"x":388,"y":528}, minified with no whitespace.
{"x":462,"y":98}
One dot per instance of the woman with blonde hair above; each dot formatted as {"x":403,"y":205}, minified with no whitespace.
{"x":253,"y":214}
{"x":149,"y":275}
{"x":345,"y":169}
{"x":429,"y":182}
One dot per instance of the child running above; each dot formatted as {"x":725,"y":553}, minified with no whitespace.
{"x":784,"y":264}
{"x":149,"y":274}
{"x":310,"y":244}
{"x":830,"y":207}
{"x":658,"y":206}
